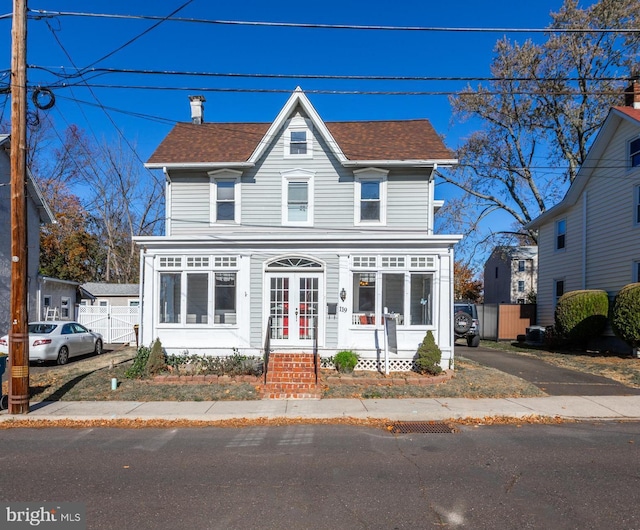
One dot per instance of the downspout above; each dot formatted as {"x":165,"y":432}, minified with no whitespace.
{"x":432,"y":189}
{"x":167,"y":201}
{"x":584,"y":240}
{"x":141,"y":290}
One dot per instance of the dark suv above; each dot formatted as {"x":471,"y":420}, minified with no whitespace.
{"x":465,"y":323}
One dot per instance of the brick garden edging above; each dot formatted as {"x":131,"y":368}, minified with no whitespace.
{"x":395,"y":378}
{"x":206,"y":379}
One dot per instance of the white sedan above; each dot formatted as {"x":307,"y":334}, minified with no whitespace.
{"x":56,"y":340}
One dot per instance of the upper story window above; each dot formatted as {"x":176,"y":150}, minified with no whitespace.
{"x":636,"y":204}
{"x":634,"y":152}
{"x":561,"y":234}
{"x":370,"y":196}
{"x":298,"y":140}
{"x":521,"y":286}
{"x":225,"y":196}
{"x":297,"y":197}
{"x":521,"y":265}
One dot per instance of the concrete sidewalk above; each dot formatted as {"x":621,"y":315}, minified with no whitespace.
{"x":427,"y":409}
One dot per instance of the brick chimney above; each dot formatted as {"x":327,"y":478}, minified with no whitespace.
{"x":632,"y":94}
{"x":197,"y":109}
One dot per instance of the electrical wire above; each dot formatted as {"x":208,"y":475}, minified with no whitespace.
{"x":42,"y":13}
{"x":137,"y":71}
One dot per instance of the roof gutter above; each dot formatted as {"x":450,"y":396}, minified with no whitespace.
{"x":401,"y":163}
{"x":197,"y":165}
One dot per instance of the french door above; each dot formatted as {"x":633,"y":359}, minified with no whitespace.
{"x":294,"y":300}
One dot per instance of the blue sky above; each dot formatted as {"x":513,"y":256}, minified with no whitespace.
{"x":179,"y":46}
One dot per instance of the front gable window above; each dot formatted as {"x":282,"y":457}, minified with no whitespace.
{"x":370,"y":196}
{"x":298,"y":140}
{"x":634,"y":152}
{"x":225,"y":196}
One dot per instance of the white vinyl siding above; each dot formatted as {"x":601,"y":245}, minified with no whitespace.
{"x":190,"y":204}
{"x":607,"y":204}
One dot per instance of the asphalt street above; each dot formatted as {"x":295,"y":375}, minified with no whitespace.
{"x":571,"y":476}
{"x":553,"y":380}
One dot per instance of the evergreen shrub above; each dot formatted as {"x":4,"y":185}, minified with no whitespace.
{"x":429,"y":356}
{"x":582,"y":315}
{"x":625,"y":314}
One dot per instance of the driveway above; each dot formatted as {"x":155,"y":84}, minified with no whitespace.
{"x":553,"y":380}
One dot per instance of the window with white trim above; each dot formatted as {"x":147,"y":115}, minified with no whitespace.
{"x":521,"y":265}
{"x":297,"y":197}
{"x":298,"y":139}
{"x":634,"y":152}
{"x":521,"y":286}
{"x":65,"y":304}
{"x":561,"y":234}
{"x":199,"y":298}
{"x":370,"y":196}
{"x":409,"y":295}
{"x":636,"y":200}
{"x":225,"y":196}
{"x":635,"y":277}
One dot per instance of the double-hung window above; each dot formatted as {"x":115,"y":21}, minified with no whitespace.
{"x":634,"y":152}
{"x":561,"y":234}
{"x":298,"y":139}
{"x":370,"y":197}
{"x":558,"y":287}
{"x":225,"y":196}
{"x":297,"y":197}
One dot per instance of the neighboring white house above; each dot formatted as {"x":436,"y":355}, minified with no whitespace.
{"x":57,"y":299}
{"x":591,"y":239}
{"x":38,"y":212}
{"x":510,"y":275}
{"x":305,"y":222}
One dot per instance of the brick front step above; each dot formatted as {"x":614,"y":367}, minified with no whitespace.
{"x":291,"y":376}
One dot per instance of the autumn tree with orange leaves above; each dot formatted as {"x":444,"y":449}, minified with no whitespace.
{"x":465,"y":286}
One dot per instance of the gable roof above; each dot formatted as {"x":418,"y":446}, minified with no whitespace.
{"x":112,"y":289}
{"x":353,"y":143}
{"x":33,"y":190}
{"x":616,"y":116}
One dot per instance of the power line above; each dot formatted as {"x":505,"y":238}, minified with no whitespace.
{"x":132,"y":40}
{"x":576,"y":93}
{"x":42,"y":13}
{"x":137,"y":71}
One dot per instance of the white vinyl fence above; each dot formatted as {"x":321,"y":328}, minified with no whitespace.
{"x":115,"y":323}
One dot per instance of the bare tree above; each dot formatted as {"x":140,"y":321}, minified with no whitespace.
{"x":126,"y":200}
{"x":538,"y":116}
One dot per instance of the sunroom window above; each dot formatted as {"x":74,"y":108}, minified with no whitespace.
{"x":408,"y":295}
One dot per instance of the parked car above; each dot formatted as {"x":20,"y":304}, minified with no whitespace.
{"x":465,"y":323}
{"x":58,"y":341}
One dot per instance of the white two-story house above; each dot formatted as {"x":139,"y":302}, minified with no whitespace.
{"x":511,"y":275}
{"x":315,"y":227}
{"x":591,"y":239}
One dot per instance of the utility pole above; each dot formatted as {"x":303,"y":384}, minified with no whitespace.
{"x":18,"y":327}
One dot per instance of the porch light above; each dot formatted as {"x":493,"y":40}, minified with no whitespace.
{"x":343,"y":294}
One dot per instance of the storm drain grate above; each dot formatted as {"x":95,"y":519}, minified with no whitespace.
{"x":421,"y":427}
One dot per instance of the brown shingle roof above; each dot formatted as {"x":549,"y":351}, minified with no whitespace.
{"x":359,"y":140}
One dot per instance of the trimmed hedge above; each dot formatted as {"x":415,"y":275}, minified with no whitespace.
{"x":582,"y":315}
{"x":625,"y":315}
